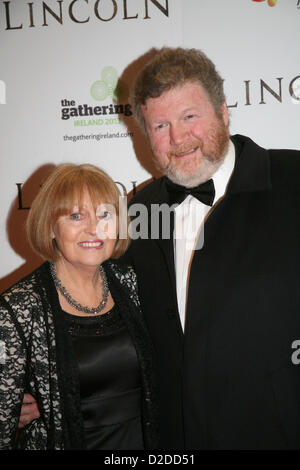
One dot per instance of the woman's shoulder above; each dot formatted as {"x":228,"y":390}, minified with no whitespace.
{"x":26,"y":290}
{"x":121,"y":270}
{"x":125,"y":276}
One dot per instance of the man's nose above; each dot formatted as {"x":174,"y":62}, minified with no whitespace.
{"x":178,"y":134}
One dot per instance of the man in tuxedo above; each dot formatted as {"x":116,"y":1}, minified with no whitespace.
{"x":220,"y":295}
{"x":223,"y":313}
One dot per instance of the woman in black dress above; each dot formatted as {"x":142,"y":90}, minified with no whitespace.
{"x":73,"y":333}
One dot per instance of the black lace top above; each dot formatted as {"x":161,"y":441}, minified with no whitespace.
{"x":40,"y":360}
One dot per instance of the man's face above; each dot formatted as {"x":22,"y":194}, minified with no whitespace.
{"x":188,"y":139}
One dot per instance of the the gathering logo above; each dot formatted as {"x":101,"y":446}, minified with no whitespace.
{"x":108,"y":87}
{"x":271,"y":3}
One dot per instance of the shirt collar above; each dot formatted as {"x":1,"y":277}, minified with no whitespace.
{"x":222,"y":176}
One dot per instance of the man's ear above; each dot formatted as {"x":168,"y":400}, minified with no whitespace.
{"x":225,"y":114}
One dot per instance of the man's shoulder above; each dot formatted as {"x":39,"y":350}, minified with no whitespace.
{"x":285,"y":158}
{"x":284,"y":163}
{"x":285,"y":167}
{"x":244,"y":143}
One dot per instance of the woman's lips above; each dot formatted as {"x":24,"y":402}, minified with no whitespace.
{"x":95,"y":244}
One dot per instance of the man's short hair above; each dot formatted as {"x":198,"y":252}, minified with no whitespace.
{"x":171,"y":68}
{"x":63,"y":189}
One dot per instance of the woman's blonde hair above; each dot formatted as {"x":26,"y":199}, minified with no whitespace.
{"x":63,"y":189}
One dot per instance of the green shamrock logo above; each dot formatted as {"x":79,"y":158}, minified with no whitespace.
{"x":107,"y":86}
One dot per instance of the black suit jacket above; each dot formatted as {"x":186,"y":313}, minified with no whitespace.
{"x":229,"y":381}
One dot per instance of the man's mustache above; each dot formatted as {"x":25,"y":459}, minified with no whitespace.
{"x":185,"y":148}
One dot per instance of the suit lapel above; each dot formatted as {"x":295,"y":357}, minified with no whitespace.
{"x":251,"y":174}
{"x":167,"y":247}
{"x":164,"y":231}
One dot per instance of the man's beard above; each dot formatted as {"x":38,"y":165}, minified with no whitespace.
{"x":213,"y":152}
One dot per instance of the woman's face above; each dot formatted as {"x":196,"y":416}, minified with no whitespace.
{"x":84,"y":238}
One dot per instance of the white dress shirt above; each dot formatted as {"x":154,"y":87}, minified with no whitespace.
{"x":188,"y":236}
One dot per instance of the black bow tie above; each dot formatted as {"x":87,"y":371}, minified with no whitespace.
{"x":205,"y":192}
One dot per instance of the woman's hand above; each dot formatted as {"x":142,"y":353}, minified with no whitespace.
{"x":29,"y":410}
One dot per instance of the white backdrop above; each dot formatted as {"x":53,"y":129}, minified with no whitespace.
{"x":65,"y":57}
